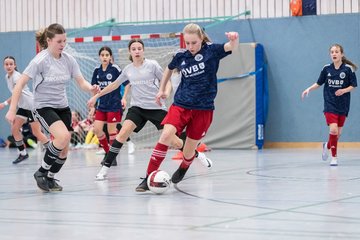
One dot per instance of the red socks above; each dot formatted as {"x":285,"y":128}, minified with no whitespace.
{"x":332,"y":144}
{"x":112,"y":137}
{"x":104,"y":143}
{"x":186,"y":162}
{"x":157,"y":156}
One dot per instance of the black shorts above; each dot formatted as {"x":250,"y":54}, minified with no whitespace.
{"x":48,"y":116}
{"x":25,"y":114}
{"x":140,"y":116}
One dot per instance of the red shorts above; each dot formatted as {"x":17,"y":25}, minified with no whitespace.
{"x":335,"y":118}
{"x":197,"y":122}
{"x":109,"y":117}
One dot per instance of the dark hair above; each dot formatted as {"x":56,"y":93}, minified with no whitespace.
{"x":134,"y":40}
{"x":49,"y":32}
{"x":344,"y":59}
{"x":12,"y":58}
{"x":105,"y":48}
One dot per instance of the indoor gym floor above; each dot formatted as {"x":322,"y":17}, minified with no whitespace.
{"x":248,"y":194}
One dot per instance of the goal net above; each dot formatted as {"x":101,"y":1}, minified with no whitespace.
{"x":159,"y":47}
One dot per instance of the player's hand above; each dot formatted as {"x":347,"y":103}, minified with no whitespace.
{"x":95,"y":89}
{"x":159,"y":96}
{"x":10,"y":116}
{"x":123,"y":103}
{"x":232,"y":35}
{"x":2,"y":105}
{"x":305,"y":93}
{"x":91,"y":102}
{"x":340,"y":92}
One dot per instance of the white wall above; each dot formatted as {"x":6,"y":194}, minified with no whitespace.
{"x":29,"y":15}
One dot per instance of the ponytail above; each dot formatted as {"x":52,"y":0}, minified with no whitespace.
{"x":347,"y":61}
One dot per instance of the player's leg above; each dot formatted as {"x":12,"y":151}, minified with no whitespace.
{"x":134,"y":122}
{"x":189,"y":155}
{"x":168,"y":121}
{"x":100,"y":119}
{"x":40,"y":136}
{"x":112,"y":119}
{"x":128,"y":127}
{"x":18,"y":137}
{"x":158,"y":154}
{"x":196,"y":129}
{"x":333,"y":140}
{"x":58,"y":123}
{"x":203,"y":159}
{"x":130,"y":144}
{"x":98,"y":131}
{"x":336,"y":129}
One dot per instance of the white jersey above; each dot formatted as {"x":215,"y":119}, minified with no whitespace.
{"x":26,"y":98}
{"x":50,"y":76}
{"x":145,"y":83}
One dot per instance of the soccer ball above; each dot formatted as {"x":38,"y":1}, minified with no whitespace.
{"x":159,"y":181}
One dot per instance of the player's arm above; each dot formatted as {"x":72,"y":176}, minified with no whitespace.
{"x":168,"y":88}
{"x":165,"y":79}
{"x":123,"y":99}
{"x":5,"y":103}
{"x":233,"y":42}
{"x":344,"y":90}
{"x":126,"y":91}
{"x":306,"y":92}
{"x":85,"y":85}
{"x":20,"y":84}
{"x":165,"y":87}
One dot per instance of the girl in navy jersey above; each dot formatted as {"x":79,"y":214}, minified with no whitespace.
{"x":24,"y":111}
{"x":339,"y":79}
{"x":194,"y":99}
{"x":51,"y":69}
{"x":110,"y":106}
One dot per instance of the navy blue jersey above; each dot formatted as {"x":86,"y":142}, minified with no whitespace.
{"x":334,"y":79}
{"x":110,"y":102}
{"x":198,"y":86}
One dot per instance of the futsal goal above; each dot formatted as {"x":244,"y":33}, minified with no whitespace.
{"x":241,"y":102}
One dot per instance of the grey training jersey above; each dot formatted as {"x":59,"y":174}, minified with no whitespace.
{"x":145,"y":83}
{"x":50,"y":76}
{"x":26,"y":98}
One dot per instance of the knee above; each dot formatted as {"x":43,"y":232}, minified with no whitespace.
{"x":166,"y":137}
{"x":98,"y":132}
{"x":334,"y":131}
{"x":63,"y":140}
{"x":14,"y":129}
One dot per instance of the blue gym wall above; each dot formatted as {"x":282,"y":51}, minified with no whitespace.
{"x":296,"y":50}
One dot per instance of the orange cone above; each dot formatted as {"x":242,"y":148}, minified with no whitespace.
{"x":178,"y":156}
{"x":203,"y":148}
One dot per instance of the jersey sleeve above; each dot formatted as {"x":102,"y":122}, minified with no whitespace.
{"x":75,"y":70}
{"x":353,"y":80}
{"x":125,"y":83}
{"x":322,"y":78}
{"x":32,"y":69}
{"x":158,"y":71}
{"x":117,"y":70}
{"x":174,"y":62}
{"x":122,"y":77}
{"x":219,"y":50}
